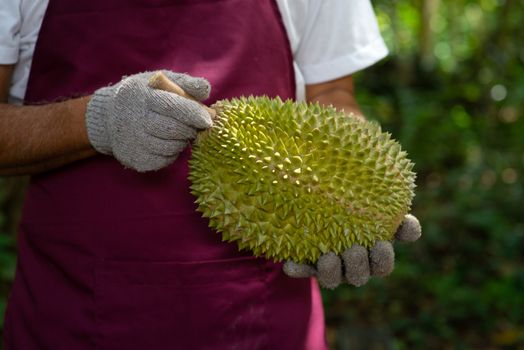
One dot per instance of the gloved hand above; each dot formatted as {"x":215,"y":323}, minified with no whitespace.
{"x":144,"y":128}
{"x":359,"y":264}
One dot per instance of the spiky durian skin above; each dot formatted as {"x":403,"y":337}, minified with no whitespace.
{"x":291,"y":181}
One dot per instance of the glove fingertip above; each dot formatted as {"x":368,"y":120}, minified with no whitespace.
{"x":356,"y":263}
{"x":201,"y":88}
{"x":197,"y":87}
{"x":201,"y":118}
{"x":329,"y":269}
{"x":188,"y":112}
{"x":410,"y":229}
{"x":382,"y":259}
{"x":295,"y":270}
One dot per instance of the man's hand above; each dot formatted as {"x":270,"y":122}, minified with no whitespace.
{"x":144,"y":128}
{"x":356,"y":264}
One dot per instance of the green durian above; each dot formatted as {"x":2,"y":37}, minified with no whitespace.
{"x":291,"y":181}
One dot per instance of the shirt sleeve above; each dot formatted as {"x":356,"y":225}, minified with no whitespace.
{"x":10,"y":23}
{"x":340,"y":37}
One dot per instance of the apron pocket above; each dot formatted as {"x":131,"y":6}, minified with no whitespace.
{"x":218,"y":304}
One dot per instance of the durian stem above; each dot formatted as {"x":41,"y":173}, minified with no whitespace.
{"x":160,"y":82}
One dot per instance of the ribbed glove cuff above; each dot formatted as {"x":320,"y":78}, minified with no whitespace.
{"x":96,"y":120}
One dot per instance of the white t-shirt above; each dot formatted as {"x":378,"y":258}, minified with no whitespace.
{"x":329,"y":38}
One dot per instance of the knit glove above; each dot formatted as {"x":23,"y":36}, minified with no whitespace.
{"x":356,"y":264}
{"x":144,"y":128}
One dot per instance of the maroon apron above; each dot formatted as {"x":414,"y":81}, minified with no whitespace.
{"x":113,"y":259}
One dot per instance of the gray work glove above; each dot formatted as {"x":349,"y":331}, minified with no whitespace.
{"x":144,"y":128}
{"x":359,"y":264}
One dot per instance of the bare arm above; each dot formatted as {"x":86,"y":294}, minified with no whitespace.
{"x":339,"y":93}
{"x":34,"y":139}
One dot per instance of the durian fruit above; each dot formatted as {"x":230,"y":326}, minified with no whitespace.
{"x":291,"y":181}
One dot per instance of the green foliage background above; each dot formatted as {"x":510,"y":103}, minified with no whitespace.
{"x":452,"y":92}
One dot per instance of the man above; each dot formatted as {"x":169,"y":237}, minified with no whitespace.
{"x":112,"y":253}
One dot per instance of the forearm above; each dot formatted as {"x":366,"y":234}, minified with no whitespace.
{"x":340,"y":99}
{"x":337,"y":93}
{"x":38,"y":138}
